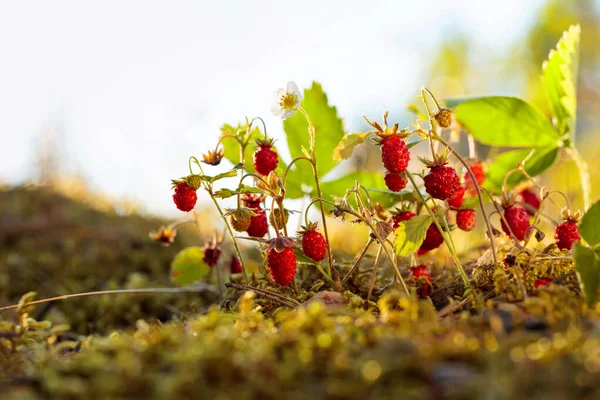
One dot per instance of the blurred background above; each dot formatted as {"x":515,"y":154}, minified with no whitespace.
{"x":112,"y":98}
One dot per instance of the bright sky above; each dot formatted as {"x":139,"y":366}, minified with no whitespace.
{"x":141,"y":85}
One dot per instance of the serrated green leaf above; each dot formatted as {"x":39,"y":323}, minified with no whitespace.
{"x":188,"y":266}
{"x":588,"y":266}
{"x":589,"y":228}
{"x":328,"y":130}
{"x":559,"y":79}
{"x":541,"y":160}
{"x":229,"y":174}
{"x":242,"y":189}
{"x":346,"y":146}
{"x":410,"y":234}
{"x":506,"y":121}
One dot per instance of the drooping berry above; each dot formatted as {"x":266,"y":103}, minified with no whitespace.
{"x":313,"y":242}
{"x":457,"y":198}
{"x":443,"y":117}
{"x":518,"y":221}
{"x":565,"y":234}
{"x":258,"y":224}
{"x":278,"y":219}
{"x":395,"y":182}
{"x":252,"y":200}
{"x":422,"y":275}
{"x":441,"y":182}
{"x":240,"y":218}
{"x":542,"y":282}
{"x":185,"y":197}
{"x":433,"y":240}
{"x":394,"y":154}
{"x":212,"y":253}
{"x":401,"y":216}
{"x":532,"y":200}
{"x":465,"y":220}
{"x":265,"y":159}
{"x":282,"y":265}
{"x":478,"y":169}
{"x":235,"y":266}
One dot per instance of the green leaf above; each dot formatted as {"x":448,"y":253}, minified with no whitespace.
{"x":328,"y":130}
{"x":302,"y":258}
{"x":454,"y":102}
{"x":589,"y":228}
{"x":229,"y":174}
{"x":410,"y":234}
{"x":242,"y":189}
{"x":346,"y":146}
{"x":559,"y":78}
{"x":588,"y":266}
{"x":541,"y":160}
{"x":188,"y":266}
{"x":506,"y":121}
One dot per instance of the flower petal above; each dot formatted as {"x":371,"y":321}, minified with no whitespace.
{"x":292,"y":88}
{"x":288,"y":113}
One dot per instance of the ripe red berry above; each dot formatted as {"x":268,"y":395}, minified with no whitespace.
{"x":252,"y":200}
{"x":394,"y":154}
{"x":401,"y":216}
{"x":282,"y":265}
{"x":566,"y":234}
{"x":465,"y":220}
{"x":478,"y":169}
{"x":542,"y":282}
{"x":441,"y":182}
{"x":529,"y":197}
{"x":421,"y":271}
{"x":185,"y":197}
{"x":235,"y":266}
{"x":518,"y":221}
{"x":395,"y":182}
{"x":258,"y":223}
{"x":212,"y":255}
{"x":313,"y":244}
{"x":457,"y":198}
{"x":265,"y":159}
{"x":433,"y":240}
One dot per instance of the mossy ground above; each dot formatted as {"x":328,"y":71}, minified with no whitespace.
{"x":499,"y":345}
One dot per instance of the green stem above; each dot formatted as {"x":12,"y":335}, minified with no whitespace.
{"x":358,"y":260}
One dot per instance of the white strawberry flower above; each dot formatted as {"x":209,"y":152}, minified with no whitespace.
{"x":286,"y":101}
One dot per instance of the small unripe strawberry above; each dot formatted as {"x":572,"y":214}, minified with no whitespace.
{"x":465,"y":220}
{"x":235,"y":266}
{"x":566,"y":234}
{"x":401,"y":216}
{"x":240,"y":218}
{"x":282,"y":265}
{"x":394,"y":154}
{"x":478,"y":169}
{"x":184,"y":197}
{"x":395,"y":182}
{"x":433,"y":240}
{"x":542,"y":282}
{"x":518,"y":221}
{"x":441,"y":182}
{"x":265,"y":159}
{"x":313,"y":242}
{"x":530,"y":198}
{"x":279,"y":219}
{"x":419,"y":272}
{"x":194,"y":181}
{"x":443,"y":117}
{"x":258,"y":224}
{"x":457,"y":198}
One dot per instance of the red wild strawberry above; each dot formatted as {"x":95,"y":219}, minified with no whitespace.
{"x":441,"y":182}
{"x":282,"y":265}
{"x":265,"y":159}
{"x":313,"y":243}
{"x":518,"y":221}
{"x":184,"y":197}
{"x":212,"y":253}
{"x":433,"y":240}
{"x":258,"y":224}
{"x":478,"y":169}
{"x":419,"y":272}
{"x":567,"y":232}
{"x":395,"y":182}
{"x":532,"y":200}
{"x":394,"y":154}
{"x":465,"y":220}
{"x":252,"y":200}
{"x":457,"y":198}
{"x":401,"y":216}
{"x":235,"y":266}
{"x":542,"y":282}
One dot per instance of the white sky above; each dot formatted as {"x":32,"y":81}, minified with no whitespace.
{"x":142,"y":85}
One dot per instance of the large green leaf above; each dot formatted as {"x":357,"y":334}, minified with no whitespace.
{"x":346,"y":146}
{"x":328,"y":129}
{"x":541,"y":160}
{"x":188,"y":266}
{"x":410,"y":234}
{"x":506,"y":121}
{"x":588,"y":266}
{"x":589,"y":228}
{"x":559,"y":78}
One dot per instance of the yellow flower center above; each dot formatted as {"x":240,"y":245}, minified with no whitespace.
{"x":288,"y":101}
